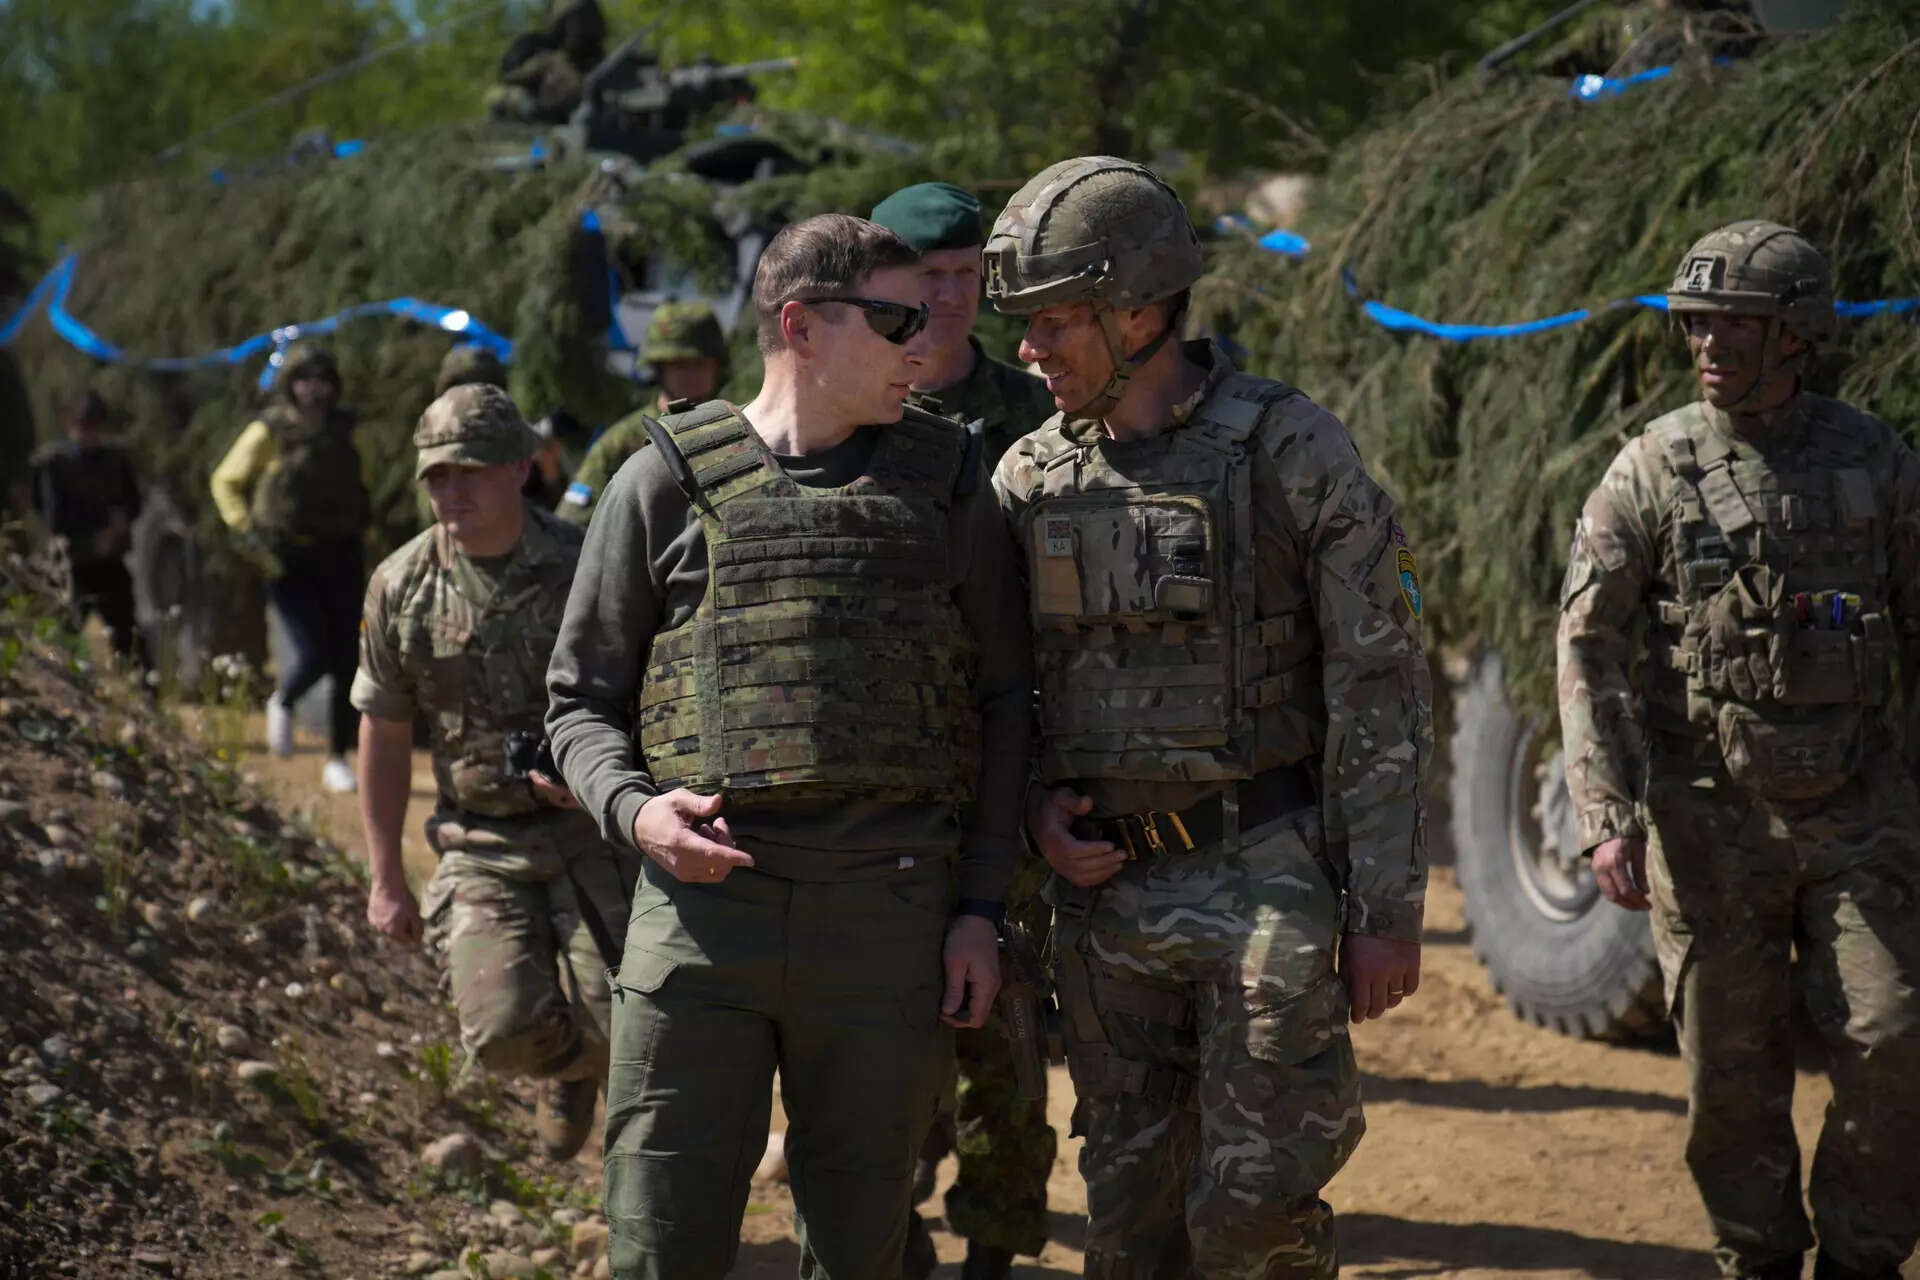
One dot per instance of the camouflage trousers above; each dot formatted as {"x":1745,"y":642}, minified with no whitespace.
{"x":1004,"y":1144}
{"x":1207,"y":1037}
{"x":504,"y":917}
{"x":1754,"y":907}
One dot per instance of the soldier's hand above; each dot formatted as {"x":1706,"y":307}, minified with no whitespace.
{"x":1620,"y":866}
{"x":1379,"y":973}
{"x":1085,"y":863}
{"x":684,"y":832}
{"x":393,"y":910}
{"x":973,"y":971}
{"x":551,"y":791}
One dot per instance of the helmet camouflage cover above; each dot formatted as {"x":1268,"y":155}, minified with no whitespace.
{"x":683,"y":331}
{"x":467,"y":363}
{"x":1095,"y":228}
{"x":1757,"y":268}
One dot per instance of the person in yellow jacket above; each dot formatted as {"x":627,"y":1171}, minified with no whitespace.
{"x":291,"y":490}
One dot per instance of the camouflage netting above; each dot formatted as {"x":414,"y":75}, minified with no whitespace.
{"x":182,"y":265}
{"x":1503,"y":200}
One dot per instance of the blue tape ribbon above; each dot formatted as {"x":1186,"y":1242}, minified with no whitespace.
{"x":52,"y":293}
{"x":1398,"y":321}
{"x":1290,"y":243}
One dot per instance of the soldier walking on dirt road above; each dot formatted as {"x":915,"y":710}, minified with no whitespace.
{"x":527,"y":907}
{"x":786,"y":669}
{"x":291,"y":491}
{"x":1748,"y":787}
{"x":1234,"y":716}
{"x":87,"y":491}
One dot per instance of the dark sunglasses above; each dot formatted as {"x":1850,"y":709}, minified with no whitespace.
{"x":897,"y":322}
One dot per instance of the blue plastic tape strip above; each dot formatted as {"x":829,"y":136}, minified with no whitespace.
{"x":48,"y":283}
{"x":1290,"y":243}
{"x":1398,"y":321}
{"x":52,"y":293}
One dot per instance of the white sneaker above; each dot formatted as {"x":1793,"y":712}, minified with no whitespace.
{"x":279,"y":728}
{"x":337,"y":775}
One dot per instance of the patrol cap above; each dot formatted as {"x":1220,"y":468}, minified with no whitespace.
{"x":476,"y":425}
{"x":933,"y":215}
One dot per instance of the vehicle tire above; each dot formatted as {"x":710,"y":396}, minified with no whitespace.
{"x":166,"y":585}
{"x":1563,"y":956}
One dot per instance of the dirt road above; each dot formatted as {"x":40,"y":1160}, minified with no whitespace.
{"x":1496,"y":1151}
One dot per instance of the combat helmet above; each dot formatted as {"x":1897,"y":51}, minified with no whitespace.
{"x":1759,"y":268}
{"x":466,"y":364}
{"x":1095,"y":229}
{"x":303,"y":357}
{"x":684,"y":331}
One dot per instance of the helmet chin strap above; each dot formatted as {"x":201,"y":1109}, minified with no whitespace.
{"x":1771,"y":364}
{"x":1109,"y":395}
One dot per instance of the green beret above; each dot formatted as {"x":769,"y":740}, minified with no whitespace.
{"x":933,"y":215}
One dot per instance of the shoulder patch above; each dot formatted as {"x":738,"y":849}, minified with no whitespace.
{"x":577,"y":492}
{"x":1409,"y":570}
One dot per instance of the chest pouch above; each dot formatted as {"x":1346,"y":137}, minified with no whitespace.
{"x":1790,"y":753}
{"x":1134,"y":562}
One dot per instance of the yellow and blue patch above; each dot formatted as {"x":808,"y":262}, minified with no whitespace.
{"x":1408,"y":569}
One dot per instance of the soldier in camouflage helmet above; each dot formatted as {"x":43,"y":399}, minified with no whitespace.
{"x":787,"y":675}
{"x":998,"y":1200}
{"x":689,"y":358}
{"x":291,"y":492}
{"x":1234,"y":717}
{"x":527,"y":907}
{"x":1745,"y":784}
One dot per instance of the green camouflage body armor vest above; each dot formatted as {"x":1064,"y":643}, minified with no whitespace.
{"x":314,"y":492}
{"x":827,"y":659}
{"x":1152,"y":660}
{"x":481,"y":670}
{"x":1798,"y":558}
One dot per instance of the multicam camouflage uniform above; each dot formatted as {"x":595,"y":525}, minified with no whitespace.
{"x":676,"y":331}
{"x":1772,"y":562}
{"x":467,"y":641}
{"x":1226,"y":617}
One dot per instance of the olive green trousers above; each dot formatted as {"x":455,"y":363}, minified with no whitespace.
{"x":835,"y":985}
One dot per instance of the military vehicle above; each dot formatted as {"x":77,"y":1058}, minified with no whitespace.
{"x":664,"y":183}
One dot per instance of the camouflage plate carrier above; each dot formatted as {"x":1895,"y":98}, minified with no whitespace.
{"x":827,"y":658}
{"x":1797,"y":563}
{"x":478,"y":668}
{"x":1150,"y":660}
{"x":314,"y":492}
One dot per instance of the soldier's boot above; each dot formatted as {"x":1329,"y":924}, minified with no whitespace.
{"x":1828,"y":1267}
{"x":1785,"y":1269}
{"x":920,"y":1259}
{"x":984,"y":1262}
{"x":565,"y":1117}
